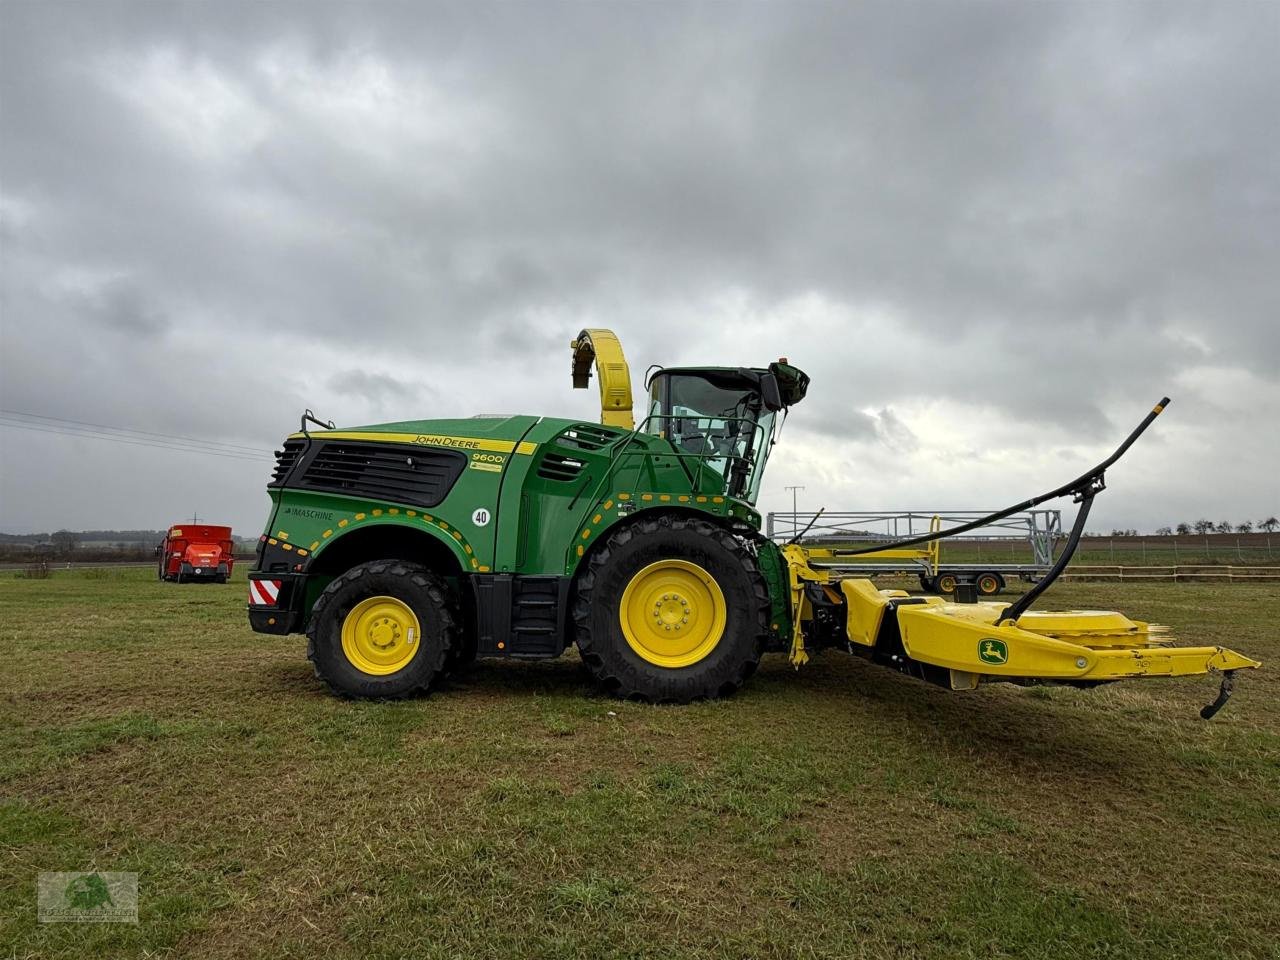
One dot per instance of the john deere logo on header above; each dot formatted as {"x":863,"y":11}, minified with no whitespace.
{"x":991,"y":650}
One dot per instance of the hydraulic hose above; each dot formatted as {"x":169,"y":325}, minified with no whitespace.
{"x":1088,"y":484}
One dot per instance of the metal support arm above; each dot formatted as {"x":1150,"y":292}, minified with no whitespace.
{"x":1088,"y":484}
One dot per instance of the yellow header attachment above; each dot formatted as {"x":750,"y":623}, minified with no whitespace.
{"x":602,"y":347}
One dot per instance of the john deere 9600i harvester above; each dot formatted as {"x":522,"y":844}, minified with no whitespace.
{"x":405,"y":550}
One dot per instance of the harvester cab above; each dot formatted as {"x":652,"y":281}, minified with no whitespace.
{"x":720,"y":418}
{"x":723,"y":416}
{"x":405,"y":550}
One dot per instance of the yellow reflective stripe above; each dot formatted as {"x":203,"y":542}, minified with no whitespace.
{"x":429,"y":440}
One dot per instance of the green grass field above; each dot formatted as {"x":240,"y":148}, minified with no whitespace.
{"x":842,"y":811}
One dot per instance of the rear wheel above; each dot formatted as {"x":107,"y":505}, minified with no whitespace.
{"x":989,"y":584}
{"x":382,"y":630}
{"x":671,"y":609}
{"x":945,"y":583}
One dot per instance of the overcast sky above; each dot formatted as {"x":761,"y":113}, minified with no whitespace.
{"x":994,"y":234}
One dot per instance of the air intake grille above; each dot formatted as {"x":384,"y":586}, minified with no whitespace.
{"x":587,"y":436}
{"x":556,"y":467}
{"x":285,"y":459}
{"x":383,"y":471}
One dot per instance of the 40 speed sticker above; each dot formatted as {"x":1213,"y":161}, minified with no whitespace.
{"x":492,"y":462}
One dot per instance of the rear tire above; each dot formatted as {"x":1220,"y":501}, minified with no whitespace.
{"x":628,"y":628}
{"x":989,"y":584}
{"x":382,"y":630}
{"x":945,"y":583}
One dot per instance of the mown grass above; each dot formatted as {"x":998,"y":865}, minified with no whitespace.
{"x":841,"y":811}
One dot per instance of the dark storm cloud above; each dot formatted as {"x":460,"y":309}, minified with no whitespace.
{"x":1045,"y":212}
{"x":376,"y":389}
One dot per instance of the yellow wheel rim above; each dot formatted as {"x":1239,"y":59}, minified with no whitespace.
{"x":672,"y":613}
{"x":381,"y":635}
{"x":947,"y":584}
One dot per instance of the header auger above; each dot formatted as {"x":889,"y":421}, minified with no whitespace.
{"x":405,"y":550}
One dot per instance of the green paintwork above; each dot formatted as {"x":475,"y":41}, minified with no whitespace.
{"x":773,"y":566}
{"x":537,"y":524}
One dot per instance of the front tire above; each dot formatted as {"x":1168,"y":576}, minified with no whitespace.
{"x":671,"y":609}
{"x":382,"y":630}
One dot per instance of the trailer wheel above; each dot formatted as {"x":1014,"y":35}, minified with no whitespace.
{"x":671,"y":609}
{"x":989,"y":584}
{"x":945,"y":583}
{"x":382,"y":630}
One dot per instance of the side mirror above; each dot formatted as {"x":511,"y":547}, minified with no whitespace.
{"x":770,"y":393}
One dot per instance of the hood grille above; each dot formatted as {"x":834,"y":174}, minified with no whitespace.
{"x":286,"y":457}
{"x":380,"y":471}
{"x":556,"y":467}
{"x":588,"y":436}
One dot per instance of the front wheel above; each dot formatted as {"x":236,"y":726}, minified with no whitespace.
{"x":671,"y":609}
{"x":382,"y":630}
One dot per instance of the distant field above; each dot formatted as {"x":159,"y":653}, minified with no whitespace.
{"x":1151,"y":551}
{"x":839,"y":811}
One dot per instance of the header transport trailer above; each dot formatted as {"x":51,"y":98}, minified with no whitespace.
{"x":1035,"y":534}
{"x":404,"y":550}
{"x":196,"y":553}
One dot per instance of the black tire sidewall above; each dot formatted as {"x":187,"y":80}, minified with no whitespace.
{"x":995,"y":578}
{"x":725,"y":667}
{"x":423,"y":592}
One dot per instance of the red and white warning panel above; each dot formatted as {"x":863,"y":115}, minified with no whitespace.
{"x":264,"y":592}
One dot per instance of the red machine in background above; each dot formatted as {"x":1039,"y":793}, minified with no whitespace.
{"x":196,"y":552}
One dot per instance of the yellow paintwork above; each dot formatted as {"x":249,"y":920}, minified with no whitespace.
{"x":866,"y":606}
{"x":952,"y":635}
{"x":431,"y":440}
{"x":381,"y":635}
{"x":799,"y":572}
{"x":672,"y":613}
{"x":929,"y":553}
{"x":962,"y":637}
{"x":604,"y":348}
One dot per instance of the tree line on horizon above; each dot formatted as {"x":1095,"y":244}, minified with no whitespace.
{"x":1184,"y":529}
{"x":86,"y":545}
